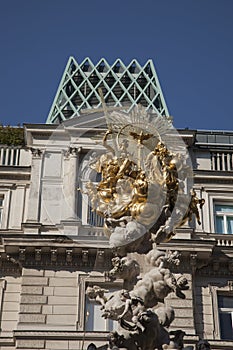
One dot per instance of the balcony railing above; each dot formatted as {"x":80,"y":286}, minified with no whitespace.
{"x":222,"y":161}
{"x":223,"y":240}
{"x":9,"y":155}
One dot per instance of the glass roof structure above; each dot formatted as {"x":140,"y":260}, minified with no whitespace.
{"x":122,"y":86}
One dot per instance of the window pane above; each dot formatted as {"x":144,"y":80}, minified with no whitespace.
{"x":226,"y":326}
{"x":229,"y":224}
{"x":219,"y":224}
{"x":94,"y":321}
{"x":89,"y":315}
{"x":225,"y":302}
{"x":112,"y":325}
{"x":224,"y":208}
{"x":93,"y":218}
{"x":99,"y":322}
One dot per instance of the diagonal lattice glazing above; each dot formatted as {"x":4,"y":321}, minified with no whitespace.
{"x":122,"y":86}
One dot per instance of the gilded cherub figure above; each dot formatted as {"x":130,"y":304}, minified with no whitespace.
{"x":193,"y":209}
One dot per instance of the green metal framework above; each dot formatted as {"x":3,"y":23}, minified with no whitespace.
{"x":121,"y":86}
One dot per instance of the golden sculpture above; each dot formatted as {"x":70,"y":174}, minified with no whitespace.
{"x":140,"y":186}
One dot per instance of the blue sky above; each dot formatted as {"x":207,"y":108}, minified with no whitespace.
{"x":190,"y":42}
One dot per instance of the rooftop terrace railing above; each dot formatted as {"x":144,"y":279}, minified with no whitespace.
{"x":9,"y":156}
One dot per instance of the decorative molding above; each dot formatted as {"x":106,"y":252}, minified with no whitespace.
{"x":31,"y":227}
{"x":58,"y":254}
{"x":15,"y":173}
{"x":59,"y":335}
{"x":213,"y":177}
{"x":217,"y":268}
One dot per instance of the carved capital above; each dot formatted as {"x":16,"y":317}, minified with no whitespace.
{"x":230,"y":285}
{"x":69,"y":256}
{"x":38,"y":254}
{"x":100,"y":257}
{"x":36,"y":152}
{"x":85,"y":257}
{"x":53,"y":255}
{"x":193,"y":261}
{"x":22,"y":254}
{"x":72,"y":151}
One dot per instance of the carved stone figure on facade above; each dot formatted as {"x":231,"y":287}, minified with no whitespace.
{"x":156,"y":285}
{"x":158,"y":258}
{"x":97,"y":293}
{"x":149,"y":333}
{"x":150,"y":290}
{"x":127,"y":232}
{"x":178,"y":338}
{"x":193,"y":209}
{"x":127,"y":269}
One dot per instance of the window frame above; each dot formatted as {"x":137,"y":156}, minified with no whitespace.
{"x":86,"y":175}
{"x":214,"y":197}
{"x":215,"y":291}
{"x":225,"y":215}
{"x":108,"y":324}
{"x":224,"y":311}
{"x":85,"y":279}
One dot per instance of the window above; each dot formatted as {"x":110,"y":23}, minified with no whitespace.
{"x":89,"y":315}
{"x":224,"y":218}
{"x":85,"y":208}
{"x":93,"y":218}
{"x":94,"y":321}
{"x":225,"y":307}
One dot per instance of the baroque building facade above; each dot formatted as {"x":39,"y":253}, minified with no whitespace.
{"x":53,"y":246}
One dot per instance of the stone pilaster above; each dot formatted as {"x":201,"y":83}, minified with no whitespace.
{"x":34,"y":192}
{"x":71,"y":159}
